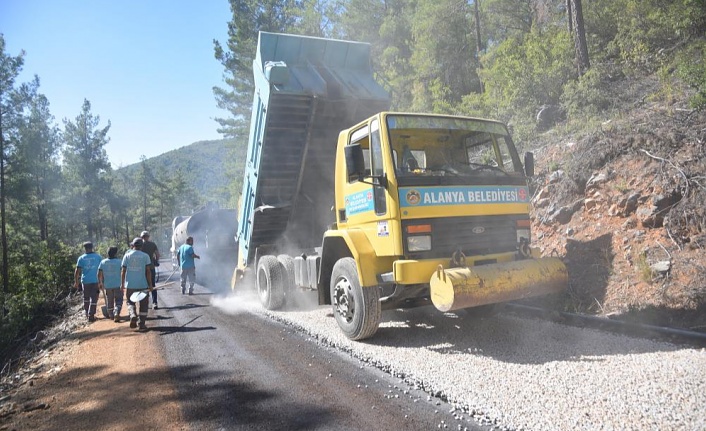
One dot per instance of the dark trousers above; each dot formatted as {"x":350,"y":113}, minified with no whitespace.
{"x":154,"y":292}
{"x":90,"y":298}
{"x":114,"y":301}
{"x":142,"y":313}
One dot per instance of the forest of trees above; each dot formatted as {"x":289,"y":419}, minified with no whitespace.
{"x":504,"y":59}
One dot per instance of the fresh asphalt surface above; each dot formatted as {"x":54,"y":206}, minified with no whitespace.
{"x":247,"y":372}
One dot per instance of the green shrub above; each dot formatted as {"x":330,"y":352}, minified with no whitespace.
{"x":691,"y":68}
{"x":588,"y":95}
{"x":40,"y":277}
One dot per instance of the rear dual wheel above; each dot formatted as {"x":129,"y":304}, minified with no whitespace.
{"x":287,"y":263}
{"x":356,"y":309}
{"x":271,"y":278}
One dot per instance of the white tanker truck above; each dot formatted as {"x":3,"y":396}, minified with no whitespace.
{"x":213,"y":230}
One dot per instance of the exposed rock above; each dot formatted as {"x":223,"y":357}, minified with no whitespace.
{"x":650,"y":217}
{"x":590,"y":203}
{"x":596,"y":180}
{"x":562,"y":215}
{"x":576,"y":206}
{"x":661,"y":267}
{"x":548,"y":116}
{"x":542,"y":194}
{"x":629,"y":224}
{"x":630,"y":204}
{"x":542,"y":203}
{"x":556,"y":176}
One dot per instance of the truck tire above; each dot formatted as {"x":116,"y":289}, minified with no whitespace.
{"x":288,"y":265}
{"x":356,"y":309}
{"x":270,"y":282}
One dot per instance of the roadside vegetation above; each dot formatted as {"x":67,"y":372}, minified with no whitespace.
{"x":555,"y":71}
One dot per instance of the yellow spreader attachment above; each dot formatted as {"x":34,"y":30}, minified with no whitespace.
{"x":458,"y":288}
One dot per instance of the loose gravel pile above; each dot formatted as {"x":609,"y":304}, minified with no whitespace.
{"x":522,"y":374}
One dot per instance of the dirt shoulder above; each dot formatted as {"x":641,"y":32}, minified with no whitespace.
{"x":101,"y":376}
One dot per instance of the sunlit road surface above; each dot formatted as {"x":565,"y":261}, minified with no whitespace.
{"x":244,"y":371}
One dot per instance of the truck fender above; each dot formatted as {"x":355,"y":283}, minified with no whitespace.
{"x":340,"y":244}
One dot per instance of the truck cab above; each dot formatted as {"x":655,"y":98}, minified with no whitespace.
{"x":419,"y":196}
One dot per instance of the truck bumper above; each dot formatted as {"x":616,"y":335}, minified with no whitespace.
{"x":458,"y":288}
{"x":418,"y":271}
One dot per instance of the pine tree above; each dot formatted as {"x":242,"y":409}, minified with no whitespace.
{"x":85,"y":166}
{"x":10,"y":67}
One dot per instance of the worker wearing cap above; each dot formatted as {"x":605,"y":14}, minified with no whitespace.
{"x":136,"y":276}
{"x":185,"y":259}
{"x":87,"y":273}
{"x":109,"y":281}
{"x":153,"y":252}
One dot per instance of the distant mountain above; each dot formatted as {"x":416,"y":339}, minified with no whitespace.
{"x":205,"y":162}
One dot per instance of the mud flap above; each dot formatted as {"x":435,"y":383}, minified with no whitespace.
{"x":458,"y":288}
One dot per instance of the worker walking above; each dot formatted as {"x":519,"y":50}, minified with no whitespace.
{"x":153,"y":252}
{"x":136,"y":276}
{"x":185,"y":259}
{"x":109,"y":281}
{"x":87,"y":272}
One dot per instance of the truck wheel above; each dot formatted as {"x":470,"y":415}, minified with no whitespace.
{"x":270,"y":282}
{"x":357,"y":310}
{"x":288,"y":264}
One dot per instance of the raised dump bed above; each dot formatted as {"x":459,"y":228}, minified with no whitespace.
{"x":307,"y":89}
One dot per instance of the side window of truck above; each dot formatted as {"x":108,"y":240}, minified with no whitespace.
{"x":362,"y":137}
{"x":377,"y":167}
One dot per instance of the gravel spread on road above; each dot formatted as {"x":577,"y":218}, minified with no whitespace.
{"x":514,"y":373}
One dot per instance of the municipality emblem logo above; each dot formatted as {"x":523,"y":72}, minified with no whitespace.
{"x":413,"y":197}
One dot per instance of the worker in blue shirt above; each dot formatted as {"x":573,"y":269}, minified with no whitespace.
{"x":109,"y":280}
{"x":185,"y":259}
{"x":136,"y":276}
{"x":86,"y":273}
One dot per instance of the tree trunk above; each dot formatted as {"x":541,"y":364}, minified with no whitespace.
{"x":582,"y":60}
{"x":479,"y":44}
{"x":570,"y":17}
{"x":3,"y":220}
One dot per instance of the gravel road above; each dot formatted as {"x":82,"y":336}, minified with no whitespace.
{"x":521,"y":374}
{"x":243,"y":371}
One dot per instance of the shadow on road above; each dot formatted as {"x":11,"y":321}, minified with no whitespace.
{"x":184,"y":307}
{"x":228,"y":403}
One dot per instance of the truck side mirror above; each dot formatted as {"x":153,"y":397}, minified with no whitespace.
{"x":529,"y":164}
{"x":355,"y":163}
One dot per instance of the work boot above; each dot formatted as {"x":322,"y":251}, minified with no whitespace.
{"x":133,"y":322}
{"x":116,"y":319}
{"x":91,"y":318}
{"x":142,"y":327}
{"x":155,"y":306}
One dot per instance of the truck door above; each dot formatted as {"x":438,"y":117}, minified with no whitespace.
{"x":366,"y":202}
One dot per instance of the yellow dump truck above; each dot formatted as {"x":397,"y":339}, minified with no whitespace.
{"x":401,"y":210}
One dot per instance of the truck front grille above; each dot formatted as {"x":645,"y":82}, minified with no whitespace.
{"x":477,"y":235}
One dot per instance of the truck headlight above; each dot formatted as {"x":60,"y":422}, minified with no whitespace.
{"x":419,"y":243}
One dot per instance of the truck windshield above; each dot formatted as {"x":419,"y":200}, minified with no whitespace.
{"x":451,"y":146}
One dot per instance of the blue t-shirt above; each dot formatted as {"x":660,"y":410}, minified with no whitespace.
{"x":135,"y":262}
{"x":89,"y":267}
{"x":111,"y":272}
{"x":186,"y":256}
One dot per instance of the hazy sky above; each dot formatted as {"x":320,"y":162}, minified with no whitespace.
{"x":145,"y":65}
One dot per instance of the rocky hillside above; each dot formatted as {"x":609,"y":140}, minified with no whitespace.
{"x":625,"y":205}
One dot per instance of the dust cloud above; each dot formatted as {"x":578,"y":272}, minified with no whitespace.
{"x":237,"y":303}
